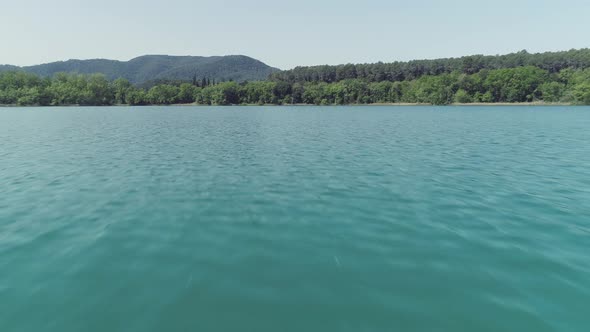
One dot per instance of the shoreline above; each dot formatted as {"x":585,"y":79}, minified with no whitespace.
{"x":535,"y":103}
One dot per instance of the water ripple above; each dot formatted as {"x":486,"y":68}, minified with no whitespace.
{"x":291,"y":219}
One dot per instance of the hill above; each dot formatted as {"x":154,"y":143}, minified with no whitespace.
{"x":552,"y":77}
{"x":143,"y":69}
{"x":553,"y":62}
{"x":8,"y":68}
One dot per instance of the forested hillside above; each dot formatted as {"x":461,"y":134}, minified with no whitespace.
{"x":552,"y":62}
{"x":562,"y":77}
{"x":148,"y":68}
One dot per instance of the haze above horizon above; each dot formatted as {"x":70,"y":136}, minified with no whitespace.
{"x":285,"y":35}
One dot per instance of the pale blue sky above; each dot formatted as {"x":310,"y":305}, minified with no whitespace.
{"x":287,"y":33}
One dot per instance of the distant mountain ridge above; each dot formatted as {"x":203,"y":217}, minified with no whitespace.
{"x":160,"y":67}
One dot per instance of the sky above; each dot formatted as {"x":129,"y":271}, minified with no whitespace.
{"x":286,"y":34}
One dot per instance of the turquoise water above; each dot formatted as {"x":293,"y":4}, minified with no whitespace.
{"x":295,"y":219}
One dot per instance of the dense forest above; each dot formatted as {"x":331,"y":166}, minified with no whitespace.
{"x":553,"y":62}
{"x":519,"y":77}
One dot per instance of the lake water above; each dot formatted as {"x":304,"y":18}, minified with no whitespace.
{"x":295,"y":219}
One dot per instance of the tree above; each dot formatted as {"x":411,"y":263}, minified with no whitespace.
{"x":121,"y":89}
{"x":550,"y":91}
{"x":463,"y":97}
{"x":282,"y":89}
{"x":137,"y":97}
{"x":581,"y":93}
{"x":227,"y":94}
{"x":163,"y":94}
{"x":515,"y":84}
{"x":187,"y":93}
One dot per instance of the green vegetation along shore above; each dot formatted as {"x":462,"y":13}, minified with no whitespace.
{"x":552,"y":77}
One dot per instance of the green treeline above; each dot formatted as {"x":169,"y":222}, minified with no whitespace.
{"x":522,"y":77}
{"x":553,"y":62}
